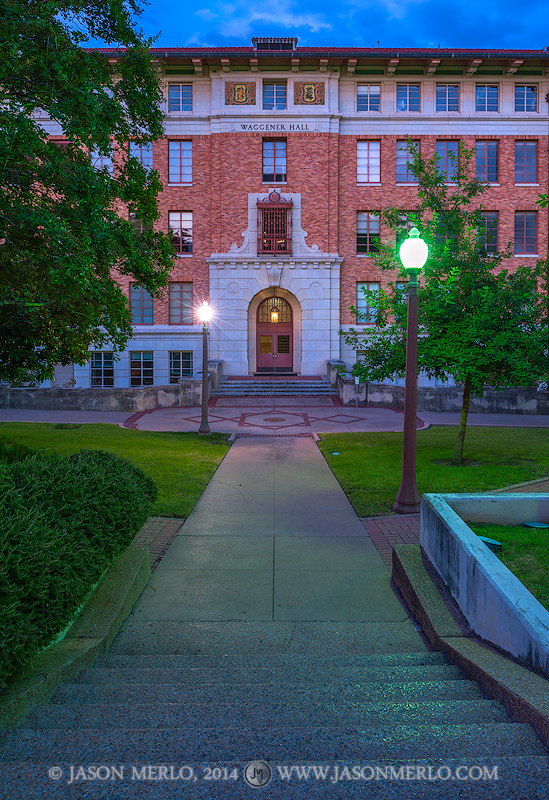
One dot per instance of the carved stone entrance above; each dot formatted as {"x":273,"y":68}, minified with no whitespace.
{"x":274,"y":336}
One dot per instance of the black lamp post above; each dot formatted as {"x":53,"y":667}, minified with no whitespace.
{"x":413,"y":254}
{"x":205,"y":315}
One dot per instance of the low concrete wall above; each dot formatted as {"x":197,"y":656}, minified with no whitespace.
{"x":187,"y":392}
{"x":446,"y":399}
{"x":495,"y":603}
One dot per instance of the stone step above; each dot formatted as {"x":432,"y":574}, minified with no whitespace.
{"x":279,"y":744}
{"x":196,"y":675}
{"x":241,"y":693}
{"x":302,"y":660}
{"x":258,"y":714}
{"x":271,"y":393}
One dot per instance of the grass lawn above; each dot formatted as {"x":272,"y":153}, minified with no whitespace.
{"x":525,"y":552}
{"x":181,"y":464}
{"x":369,"y":465}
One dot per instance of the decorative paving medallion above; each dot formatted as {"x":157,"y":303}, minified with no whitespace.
{"x":240,"y":94}
{"x":275,"y":419}
{"x":309,"y":94}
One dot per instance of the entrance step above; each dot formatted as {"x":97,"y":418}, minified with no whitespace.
{"x":274,"y":386}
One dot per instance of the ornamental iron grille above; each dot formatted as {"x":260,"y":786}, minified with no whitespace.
{"x":276,"y":304}
{"x":274,"y":225}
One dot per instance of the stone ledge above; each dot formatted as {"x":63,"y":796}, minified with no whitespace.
{"x":90,"y":635}
{"x":524,"y":694}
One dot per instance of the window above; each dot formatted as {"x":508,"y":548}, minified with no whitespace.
{"x":180,"y":162}
{"x":141,"y":304}
{"x":181,"y":229}
{"x":487,"y":161}
{"x":525,"y":232}
{"x":274,"y":96}
{"x":486,"y":97}
{"x":368,"y":97}
{"x":137,"y":225}
{"x":403,"y":174}
{"x":274,"y":226}
{"x":407,"y":96}
{"x":274,"y":160}
{"x":181,"y":303}
{"x":366,"y":311}
{"x":526,"y":162}
{"x":101,"y":161}
{"x":526,"y":98}
{"x":102,"y":369}
{"x":181,"y":365}
{"x":488,"y":231}
{"x":180,"y":97}
{"x":141,"y":369}
{"x":367,"y":162}
{"x":143,"y":153}
{"x":367,"y":232}
{"x":405,"y":224}
{"x":447,"y":97}
{"x":447,"y":159}
{"x":402,"y":291}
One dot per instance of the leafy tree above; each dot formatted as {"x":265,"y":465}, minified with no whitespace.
{"x":64,"y":224}
{"x":478,"y":322}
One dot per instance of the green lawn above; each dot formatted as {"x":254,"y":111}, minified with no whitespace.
{"x":181,"y":464}
{"x":525,"y":552}
{"x":369,"y":465}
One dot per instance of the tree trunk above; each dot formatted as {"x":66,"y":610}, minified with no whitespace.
{"x":458,"y":453}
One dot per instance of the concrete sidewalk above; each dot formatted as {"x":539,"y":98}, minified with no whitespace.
{"x":272,"y":538}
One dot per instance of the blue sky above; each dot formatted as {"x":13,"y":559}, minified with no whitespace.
{"x":359,"y":23}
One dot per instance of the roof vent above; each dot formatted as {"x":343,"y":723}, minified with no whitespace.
{"x":274,"y":43}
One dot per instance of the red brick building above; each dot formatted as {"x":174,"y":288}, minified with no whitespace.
{"x":275,"y":163}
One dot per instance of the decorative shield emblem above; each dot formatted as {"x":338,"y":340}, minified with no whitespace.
{"x":240,"y":94}
{"x":310,"y":94}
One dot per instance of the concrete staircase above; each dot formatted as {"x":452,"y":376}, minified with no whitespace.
{"x":286,"y":708}
{"x":274,"y":386}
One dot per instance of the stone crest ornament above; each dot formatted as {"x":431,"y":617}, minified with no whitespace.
{"x":315,"y":289}
{"x":240,"y":94}
{"x":309,"y":94}
{"x":233,"y":288}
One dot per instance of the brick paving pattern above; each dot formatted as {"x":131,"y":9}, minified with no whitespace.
{"x":387,"y":531}
{"x":157,"y":534}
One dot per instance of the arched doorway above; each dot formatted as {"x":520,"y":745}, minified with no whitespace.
{"x":274,"y":335}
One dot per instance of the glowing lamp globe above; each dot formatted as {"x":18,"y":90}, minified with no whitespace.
{"x":274,"y":315}
{"x":413,"y":251}
{"x":205,"y":312}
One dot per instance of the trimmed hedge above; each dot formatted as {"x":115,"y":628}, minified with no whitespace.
{"x":63,"y":519}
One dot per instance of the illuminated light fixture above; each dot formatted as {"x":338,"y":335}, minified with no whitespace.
{"x":274,"y":309}
{"x":413,"y":251}
{"x":205,"y":312}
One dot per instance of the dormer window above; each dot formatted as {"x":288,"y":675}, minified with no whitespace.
{"x":274,"y":225}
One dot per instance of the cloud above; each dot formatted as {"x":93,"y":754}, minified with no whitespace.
{"x":362,"y":23}
{"x":206,"y":14}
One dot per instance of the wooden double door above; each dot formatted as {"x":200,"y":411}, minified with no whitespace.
{"x":274,"y":347}
{"x":275,"y":344}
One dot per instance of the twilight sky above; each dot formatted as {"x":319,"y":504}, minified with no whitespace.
{"x":359,"y":23}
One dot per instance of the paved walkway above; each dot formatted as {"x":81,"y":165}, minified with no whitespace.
{"x":278,"y":416}
{"x":273,"y":538}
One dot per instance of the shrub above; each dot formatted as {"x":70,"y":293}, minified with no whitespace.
{"x":63,"y":521}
